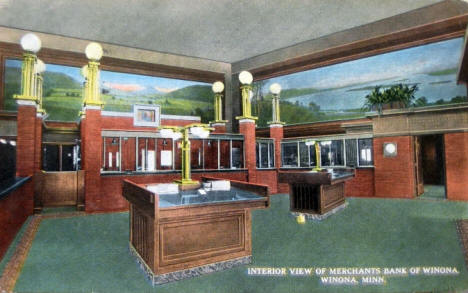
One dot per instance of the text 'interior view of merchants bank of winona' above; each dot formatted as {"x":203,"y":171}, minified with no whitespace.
{"x":204,"y":177}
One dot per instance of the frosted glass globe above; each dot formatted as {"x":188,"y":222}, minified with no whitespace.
{"x":31,"y":43}
{"x":204,"y":134}
{"x":197,"y":130}
{"x":93,"y":51}
{"x":275,"y":88}
{"x":218,"y":87}
{"x":245,"y":77}
{"x":390,"y":148}
{"x":166,"y":133}
{"x":84,"y":71}
{"x":40,"y":66}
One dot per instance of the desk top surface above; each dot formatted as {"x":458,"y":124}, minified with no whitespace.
{"x":206,"y":196}
{"x":314,"y":177}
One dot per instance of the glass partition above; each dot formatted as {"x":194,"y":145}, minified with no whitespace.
{"x":124,"y":151}
{"x":333,"y":153}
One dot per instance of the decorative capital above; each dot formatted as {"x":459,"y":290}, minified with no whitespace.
{"x":25,"y":98}
{"x":253,"y":118}
{"x":276,"y":124}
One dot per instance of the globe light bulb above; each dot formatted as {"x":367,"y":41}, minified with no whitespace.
{"x":84,"y":71}
{"x":40,"y":66}
{"x":176,"y":136}
{"x":218,"y":87}
{"x":390,"y":148}
{"x":93,"y":51}
{"x":275,"y":88}
{"x":205,"y":133}
{"x":197,"y":130}
{"x":31,"y":43}
{"x":166,"y":133}
{"x":310,"y":142}
{"x":245,"y":77}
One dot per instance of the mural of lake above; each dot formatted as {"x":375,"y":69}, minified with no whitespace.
{"x":338,"y":91}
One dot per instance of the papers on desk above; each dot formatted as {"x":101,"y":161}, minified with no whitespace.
{"x":164,"y":188}
{"x":220,"y":185}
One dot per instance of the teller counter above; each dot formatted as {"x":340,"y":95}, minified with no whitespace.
{"x":177,"y":235}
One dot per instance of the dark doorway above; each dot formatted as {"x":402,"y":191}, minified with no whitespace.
{"x":433,"y":165}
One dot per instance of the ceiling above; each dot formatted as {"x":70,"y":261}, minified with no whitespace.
{"x":220,"y":30}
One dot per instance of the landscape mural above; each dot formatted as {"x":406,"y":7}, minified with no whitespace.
{"x":63,"y":92}
{"x":339,"y":91}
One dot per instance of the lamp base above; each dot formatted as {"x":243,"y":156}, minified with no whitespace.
{"x":188,"y":184}
{"x":246,"y":117}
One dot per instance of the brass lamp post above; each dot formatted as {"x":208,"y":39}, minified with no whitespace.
{"x":84,"y":73}
{"x":182,"y":132}
{"x":92,"y":92}
{"x":275,"y":89}
{"x":218,"y":88}
{"x":31,"y":44}
{"x":246,"y":79}
{"x":316,"y":144}
{"x":39,"y":69}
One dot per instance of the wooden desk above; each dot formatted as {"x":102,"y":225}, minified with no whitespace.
{"x":177,"y":236}
{"x":315,"y":192}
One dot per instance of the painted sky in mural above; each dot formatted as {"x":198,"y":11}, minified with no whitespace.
{"x":341,"y":88}
{"x":63,"y":92}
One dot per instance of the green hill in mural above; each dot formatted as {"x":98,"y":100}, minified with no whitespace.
{"x":443,"y":72}
{"x":201,"y":93}
{"x":291,"y":93}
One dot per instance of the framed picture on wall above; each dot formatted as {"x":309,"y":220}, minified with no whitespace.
{"x":146,"y":115}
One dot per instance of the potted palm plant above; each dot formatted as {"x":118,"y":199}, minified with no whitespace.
{"x":394,"y":97}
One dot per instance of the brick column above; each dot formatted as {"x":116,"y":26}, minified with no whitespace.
{"x":26,"y":138}
{"x":38,"y":143}
{"x":247,"y":128}
{"x":91,"y":148}
{"x":276,"y":132}
{"x":219,"y":127}
{"x":456,"y":165}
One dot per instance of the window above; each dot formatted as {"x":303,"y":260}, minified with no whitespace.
{"x":8,"y":158}
{"x":365,"y":152}
{"x":304,"y":154}
{"x":289,"y":154}
{"x":331,"y":153}
{"x":265,"y":152}
{"x":351,"y":152}
{"x":60,"y":157}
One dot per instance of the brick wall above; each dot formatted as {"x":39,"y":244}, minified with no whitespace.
{"x":362,"y":184}
{"x":268,"y":177}
{"x":456,"y":165}
{"x":111,"y":187}
{"x":15,"y":209}
{"x":394,"y":176}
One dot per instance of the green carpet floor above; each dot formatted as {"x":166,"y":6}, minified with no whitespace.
{"x":90,"y":254}
{"x":433,"y":192}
